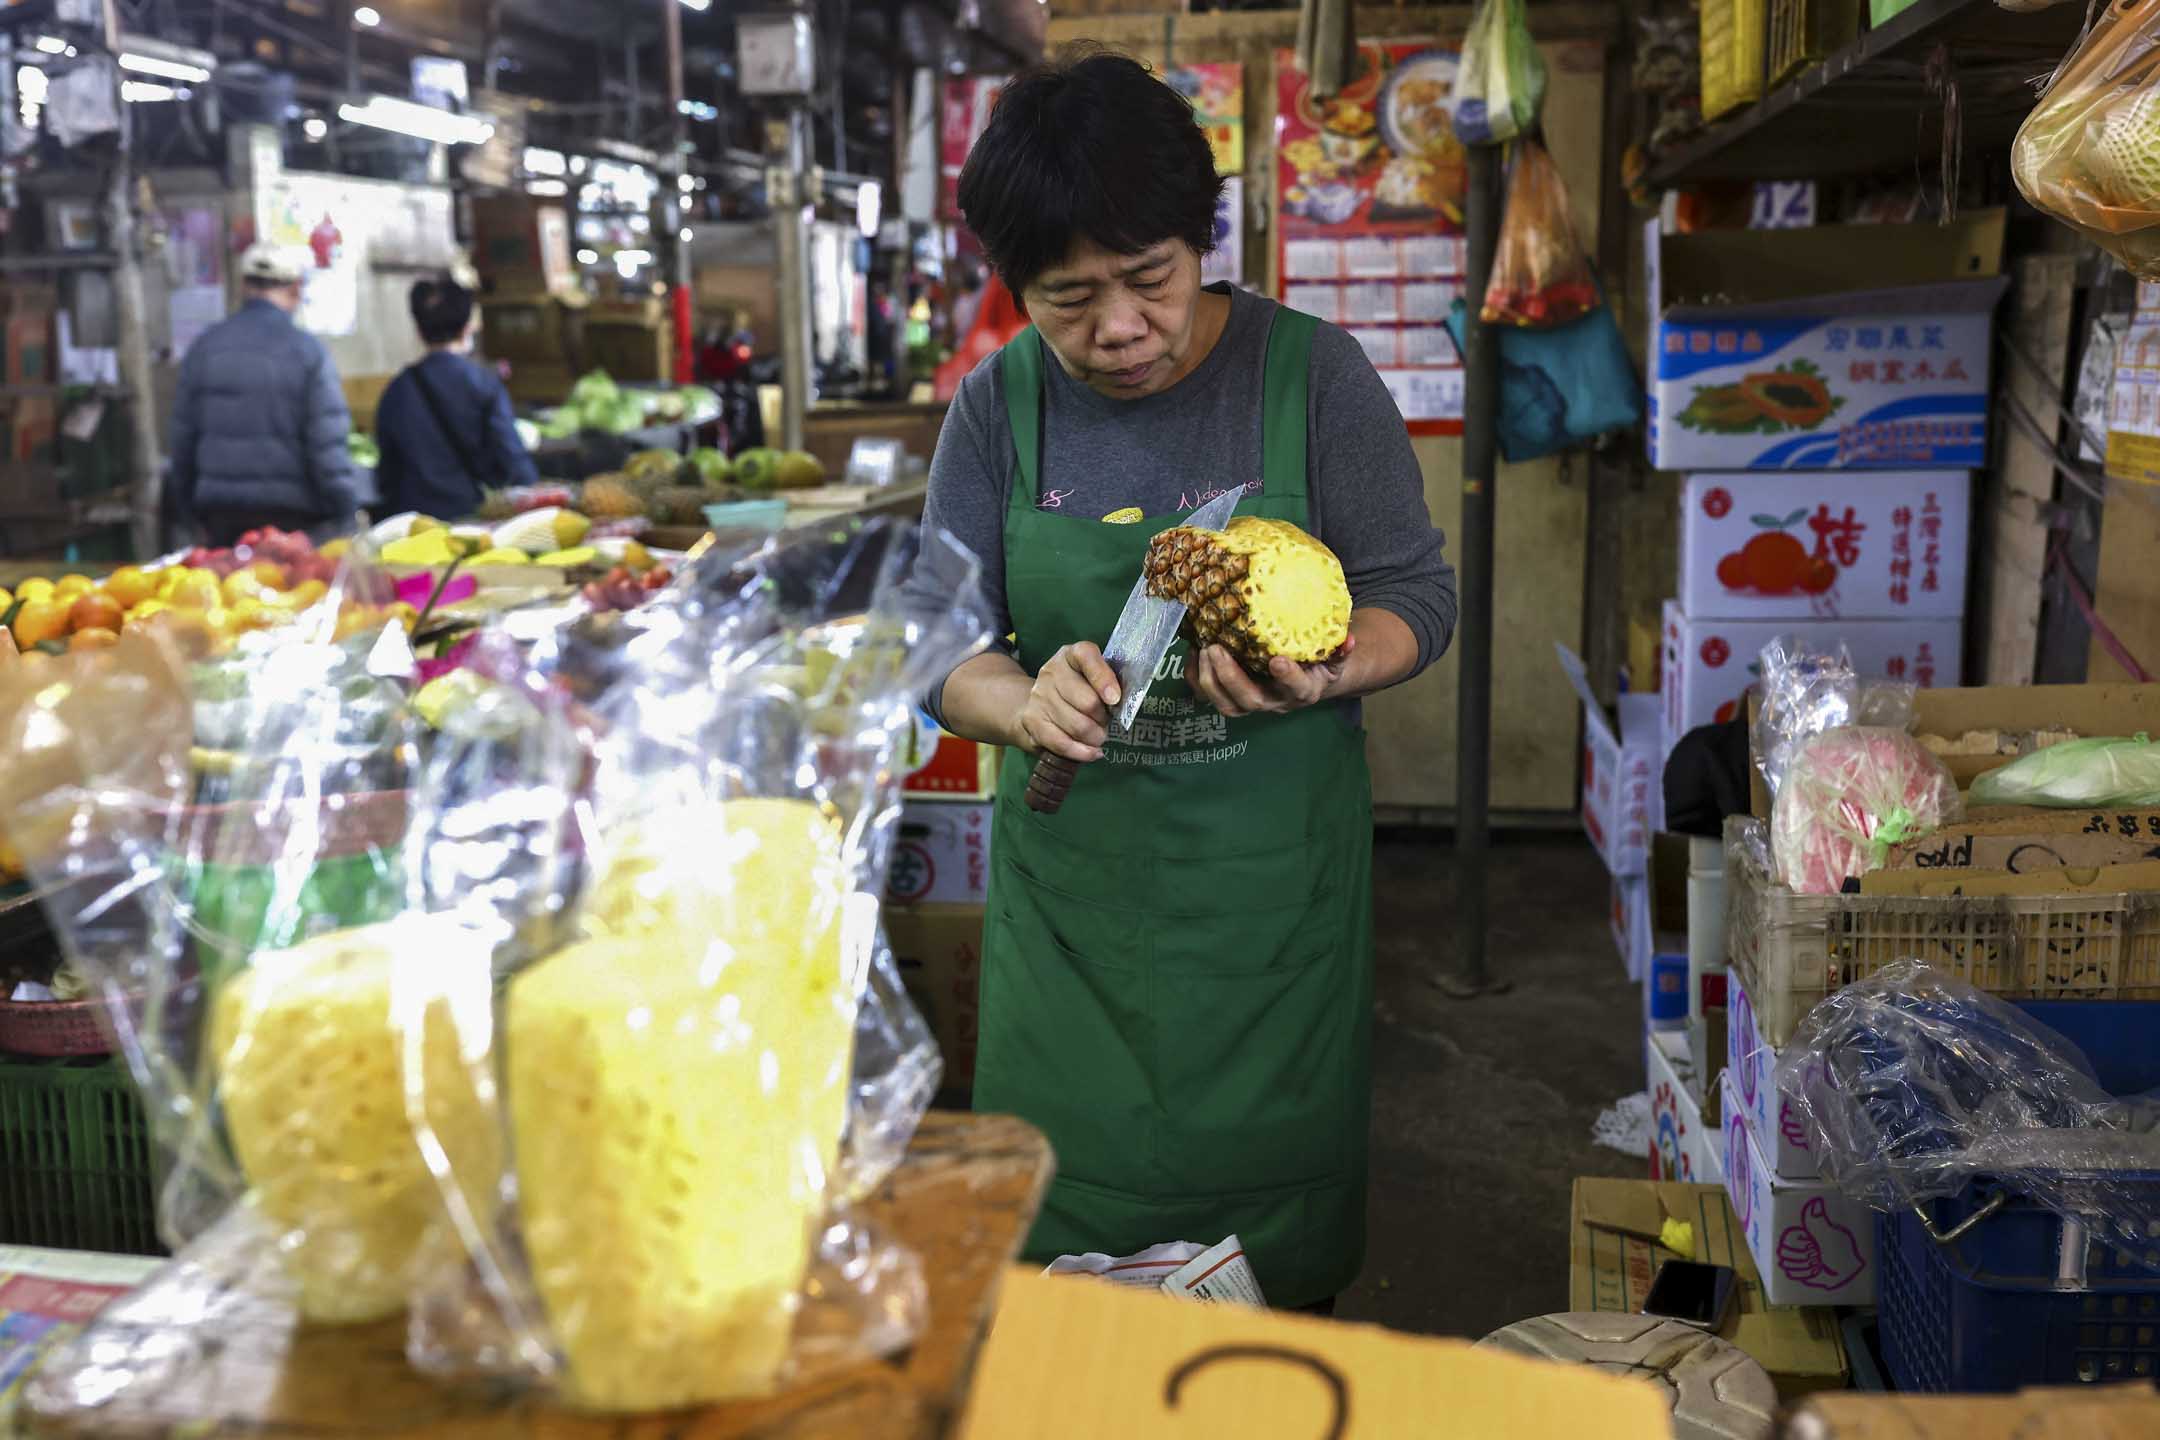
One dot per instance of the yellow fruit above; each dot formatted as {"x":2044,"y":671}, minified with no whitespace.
{"x":677,"y":1082}
{"x":41,"y":620}
{"x":335,"y":549}
{"x":500,"y":557}
{"x":130,"y":585}
{"x":311,"y":1073}
{"x":565,"y":559}
{"x":5,"y":600}
{"x":250,"y":613}
{"x":145,"y":610}
{"x":570,"y":528}
{"x":195,"y":590}
{"x":636,"y":556}
{"x":403,"y":614}
{"x":306,"y":593}
{"x":426,"y":550}
{"x":606,"y":497}
{"x":1259,"y":588}
{"x":93,"y":637}
{"x":37,"y":588}
{"x":422,"y":524}
{"x":73,"y":585}
{"x":240,"y":585}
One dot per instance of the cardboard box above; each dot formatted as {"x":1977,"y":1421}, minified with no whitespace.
{"x":1070,"y":1357}
{"x":2099,"y":881}
{"x":1613,"y":1253}
{"x":1763,"y":358}
{"x":522,"y":243}
{"x":942,"y":855}
{"x":938,"y":949}
{"x":1810,"y":1244}
{"x":2027,"y":847}
{"x":1623,"y":794}
{"x":1681,"y":1146}
{"x":2128,"y":1411}
{"x":1884,"y":546}
{"x":524,"y":327}
{"x":32,"y":429}
{"x":955,"y":769}
{"x":1751,"y":1076}
{"x":28,"y":355}
{"x":1709,"y":664}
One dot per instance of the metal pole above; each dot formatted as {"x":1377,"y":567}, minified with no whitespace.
{"x":677,"y":209}
{"x":1474,"y":567}
{"x":130,"y":313}
{"x":786,"y":186}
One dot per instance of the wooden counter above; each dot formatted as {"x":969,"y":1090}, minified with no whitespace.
{"x":194,"y":1352}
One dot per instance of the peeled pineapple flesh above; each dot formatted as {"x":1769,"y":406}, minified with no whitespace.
{"x":2125,"y":160}
{"x":311,"y":1079}
{"x":1259,"y":588}
{"x":677,"y":1085}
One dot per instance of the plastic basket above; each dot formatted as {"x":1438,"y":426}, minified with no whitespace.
{"x":1791,"y":950}
{"x":1734,"y":36}
{"x":1987,"y":1310}
{"x":75,"y":1167}
{"x":51,"y":1028}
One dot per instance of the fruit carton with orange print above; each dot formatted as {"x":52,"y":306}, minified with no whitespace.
{"x":1885,"y":546}
{"x":1763,"y":355}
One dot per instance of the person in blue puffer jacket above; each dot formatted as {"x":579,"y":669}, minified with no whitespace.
{"x":260,"y":422}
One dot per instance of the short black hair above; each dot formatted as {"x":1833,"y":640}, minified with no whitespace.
{"x":1090,"y":143}
{"x":442,"y":309}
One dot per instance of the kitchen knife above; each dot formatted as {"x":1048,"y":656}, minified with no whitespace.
{"x":1144,"y":632}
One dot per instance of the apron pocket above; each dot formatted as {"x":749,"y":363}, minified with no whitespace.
{"x":1255,"y":1062}
{"x":1065,"y":1037}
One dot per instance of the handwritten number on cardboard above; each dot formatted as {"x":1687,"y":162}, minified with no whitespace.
{"x":1338,"y":1388}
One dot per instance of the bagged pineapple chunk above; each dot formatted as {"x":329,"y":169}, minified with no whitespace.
{"x":677,"y":1085}
{"x":2089,"y":153}
{"x":310,"y":1050}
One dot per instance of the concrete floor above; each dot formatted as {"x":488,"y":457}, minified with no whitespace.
{"x":1482,"y":1109}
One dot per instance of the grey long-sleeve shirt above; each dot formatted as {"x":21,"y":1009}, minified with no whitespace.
{"x":1172,"y":451}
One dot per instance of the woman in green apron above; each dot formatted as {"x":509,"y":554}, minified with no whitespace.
{"x":1177,"y":966}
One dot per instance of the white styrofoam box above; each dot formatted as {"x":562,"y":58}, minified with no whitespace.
{"x":1631,"y":923}
{"x":1811,"y":1244}
{"x":1709,"y":664}
{"x":1682,"y":1146}
{"x":942,"y":856}
{"x":1751,"y":1069}
{"x":1705,"y":916}
{"x":1881,"y":546}
{"x":1623,"y":797}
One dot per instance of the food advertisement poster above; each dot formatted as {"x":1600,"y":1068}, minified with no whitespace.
{"x":2133,"y":425}
{"x":1370,"y":188}
{"x":1217,"y":93}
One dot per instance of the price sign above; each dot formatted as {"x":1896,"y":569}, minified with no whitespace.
{"x":1783,"y":205}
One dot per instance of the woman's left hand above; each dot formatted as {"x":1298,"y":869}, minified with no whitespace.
{"x":1226,"y":685}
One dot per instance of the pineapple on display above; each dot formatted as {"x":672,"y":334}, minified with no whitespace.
{"x":311,"y":1072}
{"x":677,"y":1084}
{"x":1259,"y":588}
{"x":607,"y":497}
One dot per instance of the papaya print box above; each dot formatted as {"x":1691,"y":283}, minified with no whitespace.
{"x":1884,"y":546}
{"x":1709,"y":665}
{"x":1761,"y":358}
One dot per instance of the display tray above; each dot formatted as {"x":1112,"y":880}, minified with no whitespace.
{"x":228,"y":1363}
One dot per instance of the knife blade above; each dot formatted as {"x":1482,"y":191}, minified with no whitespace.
{"x":1145,"y":630}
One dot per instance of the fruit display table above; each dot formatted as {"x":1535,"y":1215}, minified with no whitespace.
{"x":193,"y":1353}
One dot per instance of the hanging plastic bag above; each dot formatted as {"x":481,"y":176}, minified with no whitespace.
{"x":1560,"y":388}
{"x":2077,"y":773}
{"x":1850,"y":794}
{"x":1540,"y":277}
{"x":2089,"y":153}
{"x":1502,"y":79}
{"x":1805,"y":692}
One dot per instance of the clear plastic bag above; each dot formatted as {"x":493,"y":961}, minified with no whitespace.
{"x":1849,"y":794}
{"x":2089,"y":152}
{"x":1502,"y":80}
{"x":1540,"y":277}
{"x":564,"y":1025}
{"x":2077,"y":773}
{"x":1805,"y":692}
{"x":1912,"y":1082}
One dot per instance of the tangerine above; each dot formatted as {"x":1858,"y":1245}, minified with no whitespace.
{"x":1776,"y":562}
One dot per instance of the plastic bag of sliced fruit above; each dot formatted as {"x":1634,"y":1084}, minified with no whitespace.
{"x":2089,"y":151}
{"x":587,"y":1088}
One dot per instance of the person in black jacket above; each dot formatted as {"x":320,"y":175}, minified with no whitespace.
{"x":444,"y":425}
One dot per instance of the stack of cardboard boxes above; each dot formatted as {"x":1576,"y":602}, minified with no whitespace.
{"x":28,"y":358}
{"x":935,"y":888}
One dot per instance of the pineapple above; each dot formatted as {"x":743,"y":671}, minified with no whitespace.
{"x":311,"y":1072}
{"x":677,"y":1084}
{"x":606,"y":497}
{"x":1260,"y":588}
{"x":681,"y":505}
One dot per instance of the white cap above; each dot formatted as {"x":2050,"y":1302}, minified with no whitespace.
{"x":274,"y":264}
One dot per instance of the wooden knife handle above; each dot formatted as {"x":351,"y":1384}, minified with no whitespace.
{"x":1047,"y":787}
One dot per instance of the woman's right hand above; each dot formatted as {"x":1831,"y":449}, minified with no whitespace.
{"x":1067,"y":711}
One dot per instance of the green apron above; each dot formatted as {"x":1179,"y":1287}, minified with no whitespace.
{"x":1177,"y":967}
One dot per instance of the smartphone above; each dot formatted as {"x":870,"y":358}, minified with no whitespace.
{"x":1691,"y":1292}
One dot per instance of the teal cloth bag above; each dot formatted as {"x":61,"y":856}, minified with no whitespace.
{"x":1562,"y":387}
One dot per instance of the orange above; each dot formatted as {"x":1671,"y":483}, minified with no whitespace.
{"x":241,"y":585}
{"x":37,"y":588}
{"x":96,"y":612}
{"x":5,"y":600}
{"x":40,"y":620}
{"x":131,"y":585}
{"x":93,"y":637}
{"x":71,"y":585}
{"x":195,"y":590}
{"x":270,"y":573}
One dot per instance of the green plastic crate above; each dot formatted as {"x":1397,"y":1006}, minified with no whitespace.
{"x":75,"y":1170}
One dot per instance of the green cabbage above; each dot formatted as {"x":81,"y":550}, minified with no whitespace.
{"x":2076,"y":774}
